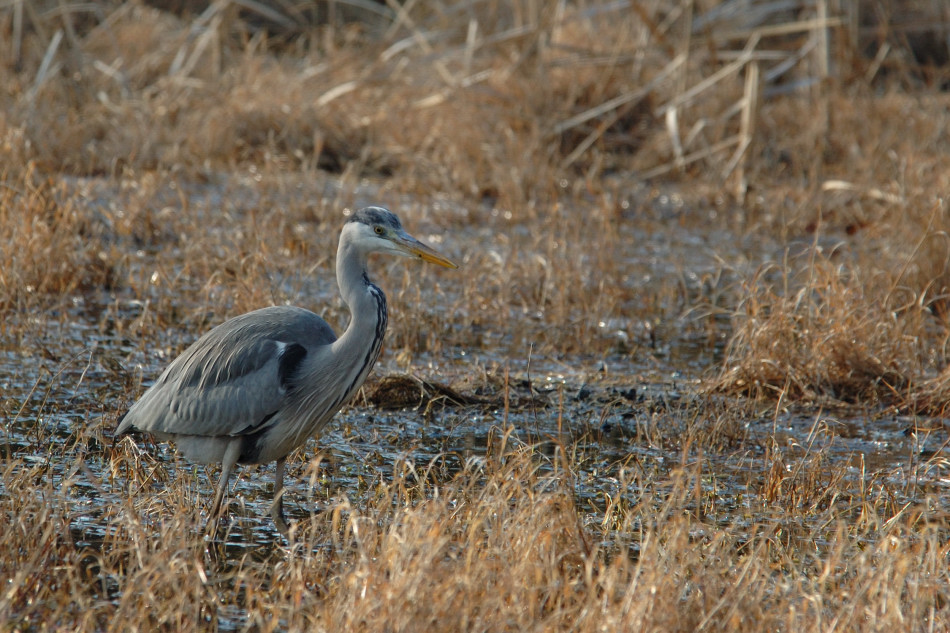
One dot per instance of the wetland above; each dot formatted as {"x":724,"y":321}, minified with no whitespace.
{"x":690,"y":374}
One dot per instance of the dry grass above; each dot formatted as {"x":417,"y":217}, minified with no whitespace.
{"x":498,"y":545}
{"x":46,"y":250}
{"x":855,"y":319}
{"x":619,"y":183}
{"x":823,"y":337}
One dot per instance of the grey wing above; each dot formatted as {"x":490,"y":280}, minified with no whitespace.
{"x":234,"y":379}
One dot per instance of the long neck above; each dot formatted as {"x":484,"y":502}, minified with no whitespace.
{"x":360,"y":344}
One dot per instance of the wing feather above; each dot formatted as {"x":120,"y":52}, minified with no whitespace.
{"x":234,"y":379}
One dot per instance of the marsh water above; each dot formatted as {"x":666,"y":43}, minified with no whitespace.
{"x":64,"y":388}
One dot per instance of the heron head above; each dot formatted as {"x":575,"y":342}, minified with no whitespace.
{"x":381,"y":231}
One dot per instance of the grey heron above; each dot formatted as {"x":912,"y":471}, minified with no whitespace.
{"x":256,"y":387}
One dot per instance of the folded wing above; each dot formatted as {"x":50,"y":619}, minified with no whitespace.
{"x":234,"y":379}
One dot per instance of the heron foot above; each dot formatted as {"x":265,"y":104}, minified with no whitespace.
{"x":216,"y":519}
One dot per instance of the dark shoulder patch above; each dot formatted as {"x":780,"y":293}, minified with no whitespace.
{"x":288,"y":362}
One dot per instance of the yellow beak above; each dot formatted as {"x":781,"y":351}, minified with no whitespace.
{"x":415,"y":248}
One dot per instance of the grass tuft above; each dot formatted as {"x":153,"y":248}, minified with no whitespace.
{"x":818,"y":337}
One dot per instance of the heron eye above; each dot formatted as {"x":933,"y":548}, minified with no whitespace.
{"x":378,"y":229}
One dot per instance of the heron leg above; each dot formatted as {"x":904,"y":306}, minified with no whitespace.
{"x":277,"y":508}
{"x":231,"y":454}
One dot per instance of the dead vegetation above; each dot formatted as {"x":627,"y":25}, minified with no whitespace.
{"x":169,"y":165}
{"x":822,"y":339}
{"x":45,"y":246}
{"x":500,"y":544}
